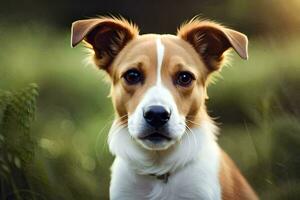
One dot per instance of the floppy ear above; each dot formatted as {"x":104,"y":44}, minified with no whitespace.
{"x":106,"y":36}
{"x":211,"y":40}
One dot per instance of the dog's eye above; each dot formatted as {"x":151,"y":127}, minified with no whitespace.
{"x":184,"y":79}
{"x":133,"y":76}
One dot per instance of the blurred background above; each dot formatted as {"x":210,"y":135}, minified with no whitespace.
{"x":61,"y":153}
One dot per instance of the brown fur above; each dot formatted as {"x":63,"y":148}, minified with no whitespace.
{"x":106,"y":36}
{"x":211,"y":40}
{"x":234,"y":185}
{"x":199,"y":48}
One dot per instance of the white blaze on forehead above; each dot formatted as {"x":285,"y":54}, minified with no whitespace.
{"x":160,"y":50}
{"x":158,"y":95}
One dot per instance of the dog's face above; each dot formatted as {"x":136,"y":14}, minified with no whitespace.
{"x":153,"y":76}
{"x":158,"y":81}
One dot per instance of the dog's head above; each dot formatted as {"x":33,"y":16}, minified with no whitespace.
{"x":158,"y":82}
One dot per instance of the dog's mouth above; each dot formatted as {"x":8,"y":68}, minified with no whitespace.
{"x":156,"y":140}
{"x":156,"y":137}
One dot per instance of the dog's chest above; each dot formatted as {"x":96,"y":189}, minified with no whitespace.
{"x":188,"y":183}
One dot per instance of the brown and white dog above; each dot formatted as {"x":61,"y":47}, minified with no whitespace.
{"x":162,"y":137}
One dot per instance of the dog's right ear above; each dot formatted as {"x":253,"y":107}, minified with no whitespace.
{"x":106,"y":36}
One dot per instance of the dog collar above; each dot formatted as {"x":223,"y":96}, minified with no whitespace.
{"x":163,"y":177}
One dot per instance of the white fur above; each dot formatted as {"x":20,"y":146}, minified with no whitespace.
{"x":193,"y":164}
{"x":191,"y":157}
{"x":160,"y":50}
{"x":158,"y":94}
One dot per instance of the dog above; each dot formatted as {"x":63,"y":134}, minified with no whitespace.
{"x":163,"y":140}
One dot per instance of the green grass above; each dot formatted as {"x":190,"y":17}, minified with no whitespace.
{"x":256,"y":102}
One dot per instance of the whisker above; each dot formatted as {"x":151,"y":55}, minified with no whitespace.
{"x":116,"y":129}
{"x":100,"y":134}
{"x":192,"y":133}
{"x":193,"y":122}
{"x":118,"y":123}
{"x":122,"y":117}
{"x":189,"y":146}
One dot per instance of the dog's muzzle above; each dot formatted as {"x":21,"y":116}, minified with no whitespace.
{"x":156,"y":118}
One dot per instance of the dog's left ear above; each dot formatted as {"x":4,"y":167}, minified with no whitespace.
{"x":211,"y":40}
{"x":107,"y":36}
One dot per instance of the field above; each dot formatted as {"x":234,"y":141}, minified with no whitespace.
{"x":255,"y":103}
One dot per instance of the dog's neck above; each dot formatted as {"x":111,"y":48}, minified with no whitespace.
{"x":191,"y":146}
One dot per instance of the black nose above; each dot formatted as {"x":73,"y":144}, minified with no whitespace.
{"x":156,"y":116}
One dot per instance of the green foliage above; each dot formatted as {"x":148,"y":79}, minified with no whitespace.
{"x":256,"y":102}
{"x":16,"y":145}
